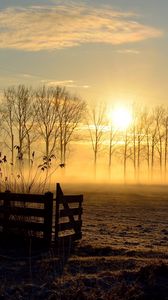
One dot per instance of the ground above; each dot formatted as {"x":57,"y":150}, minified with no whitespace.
{"x":123,"y":253}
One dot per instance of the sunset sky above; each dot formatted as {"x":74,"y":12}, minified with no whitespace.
{"x":110,"y":50}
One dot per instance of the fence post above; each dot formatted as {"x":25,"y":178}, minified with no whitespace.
{"x":79,"y":235}
{"x":59,"y":195}
{"x":48,"y":207}
{"x":6,"y":211}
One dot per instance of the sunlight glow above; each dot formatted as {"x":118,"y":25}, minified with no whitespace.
{"x":120,"y":117}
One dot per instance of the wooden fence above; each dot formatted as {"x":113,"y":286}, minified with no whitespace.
{"x":26,"y":215}
{"x":41,"y":217}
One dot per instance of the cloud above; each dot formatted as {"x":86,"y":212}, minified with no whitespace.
{"x":128,"y":51}
{"x":66,"y":83}
{"x":59,"y":26}
{"x":27,"y":76}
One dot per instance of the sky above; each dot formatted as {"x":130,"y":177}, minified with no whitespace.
{"x":101,"y":50}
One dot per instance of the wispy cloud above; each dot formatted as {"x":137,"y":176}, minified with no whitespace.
{"x":59,"y":26}
{"x":128,"y":51}
{"x":66,"y":83}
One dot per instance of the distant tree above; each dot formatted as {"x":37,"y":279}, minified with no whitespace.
{"x":19,"y":119}
{"x":133,"y":131}
{"x":147,"y":131}
{"x":126,"y":151}
{"x":113,"y":142}
{"x":70,"y":112}
{"x":153,"y":134}
{"x":96,"y":122}
{"x":165,"y":124}
{"x":141,"y":113}
{"x":8,"y":119}
{"x":159,"y":119}
{"x":46,"y":109}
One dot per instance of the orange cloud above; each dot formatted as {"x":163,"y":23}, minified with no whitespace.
{"x":54,"y":27}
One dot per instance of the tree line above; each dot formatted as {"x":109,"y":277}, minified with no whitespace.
{"x":143,"y":146}
{"x":46,"y":119}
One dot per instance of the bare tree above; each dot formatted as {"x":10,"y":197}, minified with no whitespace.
{"x":70,"y":111}
{"x":153,"y":142}
{"x":159,"y":117}
{"x":127,"y":153}
{"x":133,"y":131}
{"x":46,"y":108}
{"x":96,"y":122}
{"x":8,"y":119}
{"x":165,"y":124}
{"x":113,"y":141}
{"x":19,"y":119}
{"x":147,"y":142}
{"x":138,"y":135}
{"x":140,"y":138}
{"x":24,"y":115}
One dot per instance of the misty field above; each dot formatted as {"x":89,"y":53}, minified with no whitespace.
{"x":123,"y":253}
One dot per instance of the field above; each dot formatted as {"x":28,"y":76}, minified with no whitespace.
{"x":123,"y":253}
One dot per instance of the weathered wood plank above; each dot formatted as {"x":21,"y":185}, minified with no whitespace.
{"x":71,"y":199}
{"x":21,"y":211}
{"x":70,"y":211}
{"x":24,"y":225}
{"x":32,"y":198}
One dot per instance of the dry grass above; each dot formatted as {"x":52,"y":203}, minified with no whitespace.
{"x":123,"y":253}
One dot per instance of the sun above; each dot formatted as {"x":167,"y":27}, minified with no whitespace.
{"x":120,"y":117}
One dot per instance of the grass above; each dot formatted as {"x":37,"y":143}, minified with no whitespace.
{"x":123,"y":253}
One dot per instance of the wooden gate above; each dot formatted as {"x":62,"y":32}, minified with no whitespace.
{"x":68,"y":218}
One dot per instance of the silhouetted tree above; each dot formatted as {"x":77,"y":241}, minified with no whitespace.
{"x":19,"y":119}
{"x":70,"y":111}
{"x":46,"y":108}
{"x":165,"y":122}
{"x":8,"y":119}
{"x":96,"y":122}
{"x":113,"y":141}
{"x":126,"y":151}
{"x":159,"y":117}
{"x":147,"y":119}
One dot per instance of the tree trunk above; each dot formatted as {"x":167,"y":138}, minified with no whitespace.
{"x":125,"y":157}
{"x":134,"y":153}
{"x":12,"y":150}
{"x":152,"y":157}
{"x":165,"y":160}
{"x":110,"y":153}
{"x":29,"y":150}
{"x":47,"y":151}
{"x":139,"y":151}
{"x":148,"y":155}
{"x":95,"y":162}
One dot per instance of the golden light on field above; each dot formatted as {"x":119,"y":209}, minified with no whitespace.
{"x":120,"y":118}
